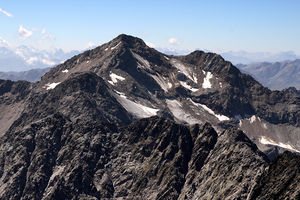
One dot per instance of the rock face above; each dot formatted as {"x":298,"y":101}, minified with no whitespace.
{"x":152,"y":158}
{"x":281,"y":180}
{"x":122,"y":121}
{"x":12,"y":102}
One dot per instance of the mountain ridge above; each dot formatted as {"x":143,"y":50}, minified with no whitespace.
{"x":277,"y":75}
{"x":122,"y":121}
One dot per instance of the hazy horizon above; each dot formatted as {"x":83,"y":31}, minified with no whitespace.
{"x":219,"y":26}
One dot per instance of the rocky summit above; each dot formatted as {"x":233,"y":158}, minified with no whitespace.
{"x":124,"y":121}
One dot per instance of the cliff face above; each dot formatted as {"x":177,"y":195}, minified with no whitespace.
{"x":152,"y":158}
{"x":281,"y":179}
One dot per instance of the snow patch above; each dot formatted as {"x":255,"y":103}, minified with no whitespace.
{"x":121,"y":94}
{"x":87,"y":61}
{"x":65,"y":71}
{"x":176,"y":109}
{"x":210,"y":111}
{"x":161,"y":82}
{"x":115,"y":78}
{"x":51,"y":86}
{"x":115,"y":46}
{"x":240,"y":123}
{"x":136,"y":109}
{"x":268,"y":141}
{"x":182,"y":68}
{"x":264,"y":125}
{"x":184,"y":84}
{"x":252,"y":119}
{"x":166,"y":58}
{"x":195,"y":79}
{"x":144,"y":63}
{"x":110,"y":82}
{"x":206,"y":81}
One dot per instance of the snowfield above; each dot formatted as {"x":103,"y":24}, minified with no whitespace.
{"x":134,"y":108}
{"x":268,"y":141}
{"x":210,"y":111}
{"x":176,"y":109}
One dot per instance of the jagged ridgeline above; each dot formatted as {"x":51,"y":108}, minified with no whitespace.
{"x":124,"y":121}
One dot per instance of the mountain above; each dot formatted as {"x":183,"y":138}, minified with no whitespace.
{"x":126,"y":121}
{"x":247,"y":58}
{"x":145,"y":82}
{"x":32,"y":75}
{"x":24,"y":58}
{"x":277,"y":76}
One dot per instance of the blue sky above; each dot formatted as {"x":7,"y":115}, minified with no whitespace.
{"x":217,"y":25}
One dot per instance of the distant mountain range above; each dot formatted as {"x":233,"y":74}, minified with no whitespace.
{"x":241,"y":57}
{"x":278,"y":75}
{"x":32,"y":75}
{"x":244,"y":57}
{"x":25,"y":58}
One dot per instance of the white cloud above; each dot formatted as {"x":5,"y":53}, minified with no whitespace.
{"x":91,"y":45}
{"x":24,"y":33}
{"x":43,"y":31}
{"x":173,"y":41}
{"x":149,"y":44}
{"x":47,"y":35}
{"x":6,"y":13}
{"x":3,"y":43}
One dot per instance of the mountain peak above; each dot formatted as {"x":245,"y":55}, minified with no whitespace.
{"x":129,"y":41}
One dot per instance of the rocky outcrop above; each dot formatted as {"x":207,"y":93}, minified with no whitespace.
{"x":281,"y":179}
{"x":13,"y":97}
{"x":152,"y":158}
{"x":229,"y":172}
